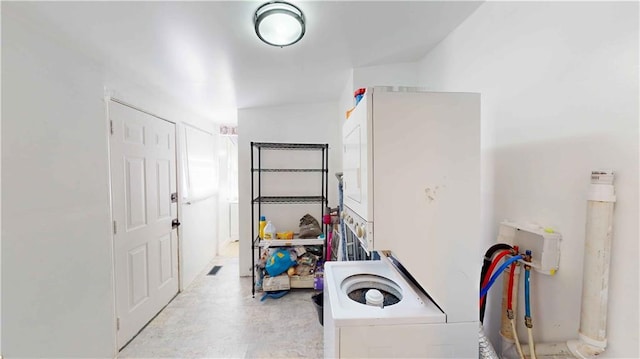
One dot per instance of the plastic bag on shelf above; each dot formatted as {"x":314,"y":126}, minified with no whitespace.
{"x":309,"y":227}
{"x":279,"y":262}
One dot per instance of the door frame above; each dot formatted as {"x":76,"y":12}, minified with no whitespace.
{"x":108,"y":98}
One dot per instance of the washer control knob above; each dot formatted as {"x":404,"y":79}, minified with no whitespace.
{"x":359,"y":231}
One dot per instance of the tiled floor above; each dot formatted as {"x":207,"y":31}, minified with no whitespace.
{"x":216,"y":317}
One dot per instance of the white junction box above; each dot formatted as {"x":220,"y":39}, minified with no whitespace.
{"x":544,"y":243}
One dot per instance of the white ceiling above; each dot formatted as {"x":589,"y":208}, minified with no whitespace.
{"x":206,"y":55}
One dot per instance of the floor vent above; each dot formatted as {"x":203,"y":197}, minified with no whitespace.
{"x":214,"y":270}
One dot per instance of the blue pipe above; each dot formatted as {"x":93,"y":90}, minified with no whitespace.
{"x":527,"y":305}
{"x":497,"y":273}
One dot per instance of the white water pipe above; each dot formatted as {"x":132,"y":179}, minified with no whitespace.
{"x":592,"y":337}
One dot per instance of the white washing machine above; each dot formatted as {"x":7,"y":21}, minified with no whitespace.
{"x":373,"y":310}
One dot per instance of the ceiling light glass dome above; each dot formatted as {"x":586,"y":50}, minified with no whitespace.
{"x":279,"y":23}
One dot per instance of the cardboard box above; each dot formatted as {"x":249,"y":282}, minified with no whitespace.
{"x":280,"y":282}
{"x":302,"y":281}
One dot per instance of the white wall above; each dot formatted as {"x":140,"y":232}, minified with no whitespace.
{"x":403,"y":74}
{"x":0,"y":222}
{"x":57,"y":287}
{"x":198,"y":233}
{"x":57,"y":268}
{"x":304,"y":123}
{"x":345,"y":103}
{"x":228,"y":201}
{"x":223,"y":200}
{"x":559,"y":85}
{"x":199,"y":212}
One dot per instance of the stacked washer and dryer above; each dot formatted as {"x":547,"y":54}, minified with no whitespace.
{"x":411,"y":164}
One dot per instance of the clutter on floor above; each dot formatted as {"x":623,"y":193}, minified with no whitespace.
{"x":283,"y":268}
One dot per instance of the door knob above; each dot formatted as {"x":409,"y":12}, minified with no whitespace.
{"x":175,"y":223}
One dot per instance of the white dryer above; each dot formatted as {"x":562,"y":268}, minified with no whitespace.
{"x":411,"y":163}
{"x":406,"y":325}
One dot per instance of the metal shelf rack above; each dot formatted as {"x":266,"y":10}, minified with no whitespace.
{"x":290,"y":199}
{"x":289,"y":170}
{"x":258,"y":199}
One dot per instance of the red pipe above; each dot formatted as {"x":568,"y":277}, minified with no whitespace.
{"x":494,"y":263}
{"x":512,"y":271}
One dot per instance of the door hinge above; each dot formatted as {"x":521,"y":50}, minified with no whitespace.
{"x":111,"y":126}
{"x":115,"y":227}
{"x":118,"y":324}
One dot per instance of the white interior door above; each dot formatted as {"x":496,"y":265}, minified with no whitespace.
{"x":143,"y":177}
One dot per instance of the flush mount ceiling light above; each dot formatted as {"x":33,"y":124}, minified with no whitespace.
{"x":279,"y":23}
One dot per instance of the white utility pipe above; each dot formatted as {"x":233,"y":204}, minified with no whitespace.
{"x":592,"y":337}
